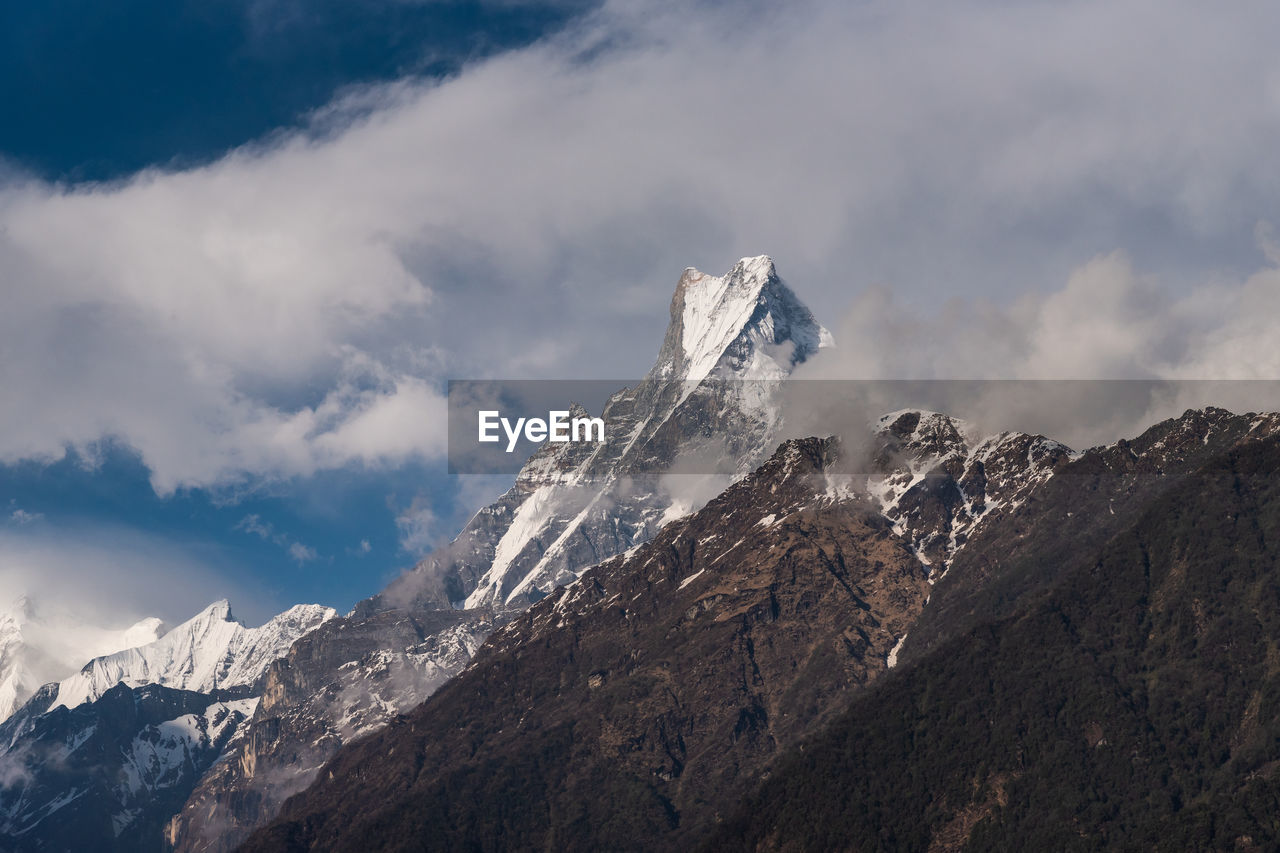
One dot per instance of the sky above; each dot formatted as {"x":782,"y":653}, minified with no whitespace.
{"x":244,"y":245}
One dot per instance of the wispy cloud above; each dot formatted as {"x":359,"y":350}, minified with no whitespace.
{"x":301,"y":553}
{"x":256,"y":525}
{"x":420,"y":528}
{"x":21,"y":516}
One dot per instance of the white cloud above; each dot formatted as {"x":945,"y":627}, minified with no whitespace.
{"x":113,"y":577}
{"x":301,"y":553}
{"x":21,"y":516}
{"x":420,"y":528}
{"x":1106,"y":321}
{"x":296,"y":305}
{"x":265,"y":530}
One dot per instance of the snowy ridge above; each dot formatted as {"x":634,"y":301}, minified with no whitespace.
{"x":209,"y":651}
{"x":748,"y":307}
{"x":36,"y":649}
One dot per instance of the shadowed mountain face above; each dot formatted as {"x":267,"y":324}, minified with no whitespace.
{"x":625,"y":711}
{"x":1102,"y":652}
{"x":105,"y":775}
{"x":1134,"y":706}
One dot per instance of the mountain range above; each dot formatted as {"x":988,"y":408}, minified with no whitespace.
{"x":913,"y":635}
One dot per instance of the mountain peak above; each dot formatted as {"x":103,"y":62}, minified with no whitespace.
{"x":746,"y":324}
{"x":218,"y":611}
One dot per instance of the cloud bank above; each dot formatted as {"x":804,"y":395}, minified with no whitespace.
{"x":977,"y":189}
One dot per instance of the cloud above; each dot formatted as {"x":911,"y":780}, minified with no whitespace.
{"x":301,"y":553}
{"x":112,"y":577}
{"x":254,"y":524}
{"x":296,"y":306}
{"x":21,"y":516}
{"x":1106,"y":321}
{"x":420,"y":528}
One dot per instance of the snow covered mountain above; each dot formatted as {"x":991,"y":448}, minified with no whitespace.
{"x":208,"y":652}
{"x":104,"y":757}
{"x":572,"y":506}
{"x":708,"y":397}
{"x":37,"y":647}
{"x":342,"y":681}
{"x":105,"y":775}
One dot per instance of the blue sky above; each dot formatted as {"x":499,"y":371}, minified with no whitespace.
{"x":244,"y":245}
{"x":95,"y":92}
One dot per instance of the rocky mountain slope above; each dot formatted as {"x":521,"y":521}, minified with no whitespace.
{"x":104,"y":775}
{"x":1134,"y":705}
{"x":625,"y":710}
{"x":572,"y":506}
{"x":1022,"y":548}
{"x":624,"y":684}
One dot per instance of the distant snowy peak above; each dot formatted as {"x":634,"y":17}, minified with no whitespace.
{"x":743,"y":325}
{"x":37,"y":648}
{"x":207,"y":652}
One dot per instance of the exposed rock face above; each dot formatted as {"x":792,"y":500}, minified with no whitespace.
{"x":335,"y":684}
{"x":624,"y":711}
{"x":108,"y":773}
{"x":939,"y":482}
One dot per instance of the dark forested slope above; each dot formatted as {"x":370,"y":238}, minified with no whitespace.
{"x":1137,"y":706}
